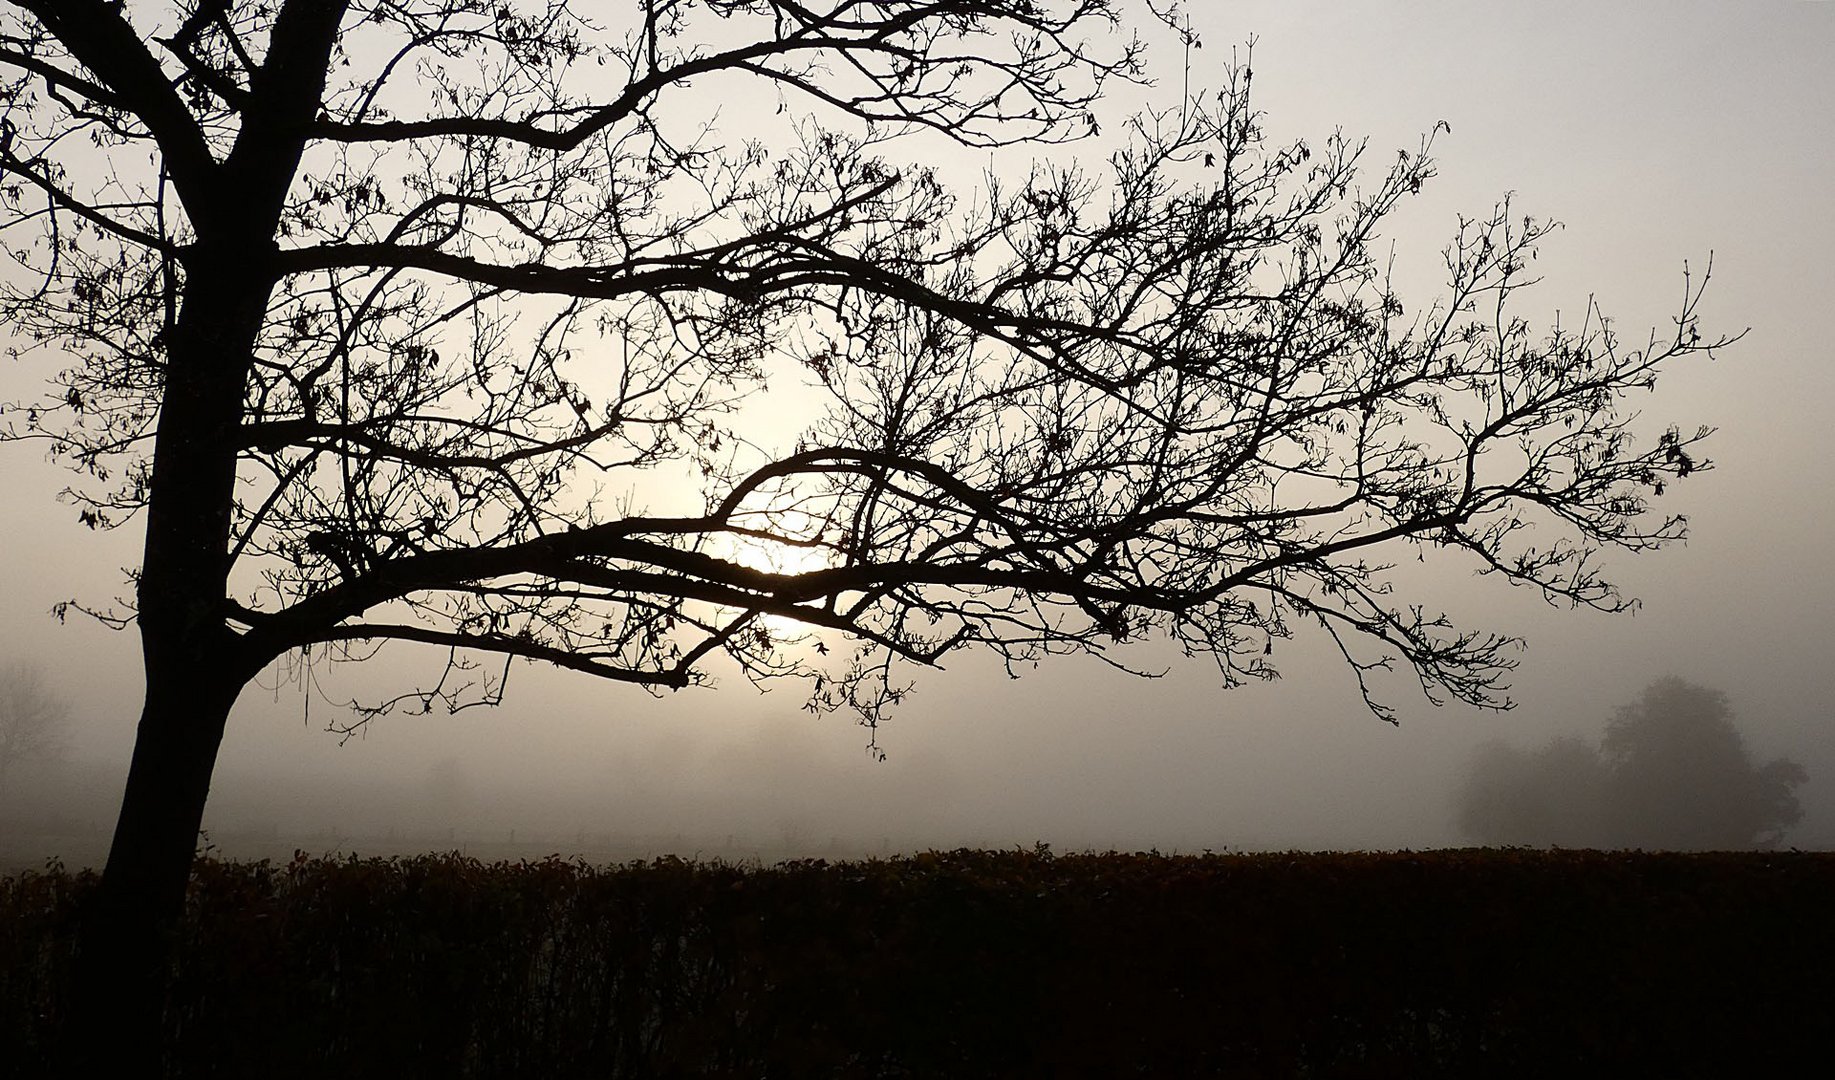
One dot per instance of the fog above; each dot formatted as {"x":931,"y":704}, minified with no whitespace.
{"x":1658,"y":133}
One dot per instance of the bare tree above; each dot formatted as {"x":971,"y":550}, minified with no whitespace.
{"x":438,"y":321}
{"x":34,"y":723}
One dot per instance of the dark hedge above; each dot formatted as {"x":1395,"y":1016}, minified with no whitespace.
{"x":969,"y":964}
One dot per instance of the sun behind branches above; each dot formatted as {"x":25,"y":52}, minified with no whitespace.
{"x":759,"y":553}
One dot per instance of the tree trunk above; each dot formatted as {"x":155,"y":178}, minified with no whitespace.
{"x":195,"y":664}
{"x":195,"y":667}
{"x":129,"y":938}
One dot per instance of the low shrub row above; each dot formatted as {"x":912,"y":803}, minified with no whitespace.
{"x":969,"y":963}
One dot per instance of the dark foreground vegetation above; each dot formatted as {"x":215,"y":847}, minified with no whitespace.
{"x":1016,"y":963}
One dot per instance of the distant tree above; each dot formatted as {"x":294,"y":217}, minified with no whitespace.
{"x":427,"y":321}
{"x":1553,"y":795}
{"x":1671,"y":772}
{"x":1681,"y":775}
{"x":34,"y":724}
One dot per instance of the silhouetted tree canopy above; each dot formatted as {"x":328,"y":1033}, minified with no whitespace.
{"x":489,"y":286}
{"x":437,"y":323}
{"x":1670,"y":772}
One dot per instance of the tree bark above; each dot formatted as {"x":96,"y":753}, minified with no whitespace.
{"x":195,"y":664}
{"x":195,"y":667}
{"x":128,"y":942}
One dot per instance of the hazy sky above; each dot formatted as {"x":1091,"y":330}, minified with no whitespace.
{"x":1656,"y":132}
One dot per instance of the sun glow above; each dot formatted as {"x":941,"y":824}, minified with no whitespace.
{"x":771,"y":556}
{"x":758,"y":553}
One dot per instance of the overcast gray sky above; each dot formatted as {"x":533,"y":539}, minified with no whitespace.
{"x":1656,"y":132}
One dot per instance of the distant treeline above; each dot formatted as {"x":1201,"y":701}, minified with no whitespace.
{"x":1672,"y":772}
{"x":972,"y":964}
